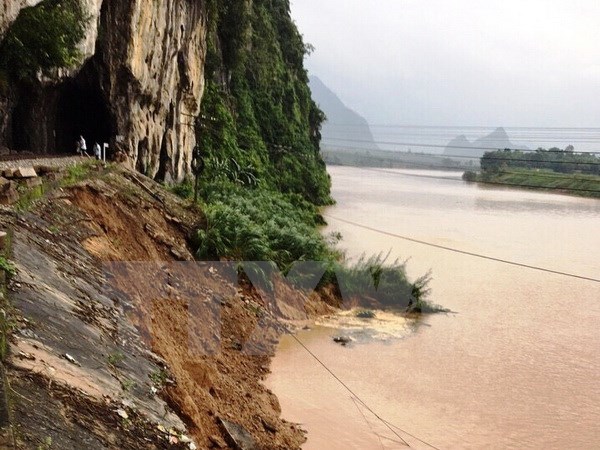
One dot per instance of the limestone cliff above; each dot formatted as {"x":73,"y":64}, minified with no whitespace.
{"x":10,"y":10}
{"x":138,"y":86}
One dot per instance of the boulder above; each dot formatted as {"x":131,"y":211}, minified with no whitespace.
{"x":4,"y":184}
{"x":30,"y":182}
{"x":43,"y":170}
{"x":25,"y":172}
{"x":9,"y":197}
{"x":237,"y":436}
{"x":343,"y":340}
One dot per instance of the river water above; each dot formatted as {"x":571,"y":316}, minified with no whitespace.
{"x":517,"y":362}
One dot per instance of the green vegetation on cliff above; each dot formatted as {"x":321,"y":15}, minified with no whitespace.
{"x":259,"y":124}
{"x":43,"y":38}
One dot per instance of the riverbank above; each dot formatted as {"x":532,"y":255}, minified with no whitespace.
{"x":109,"y":308}
{"x":114,"y":356}
{"x":572,"y":184}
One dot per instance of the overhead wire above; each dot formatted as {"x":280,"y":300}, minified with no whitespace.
{"x":444,"y":155}
{"x":464,"y":252}
{"x":387,"y":424}
{"x":416,"y":144}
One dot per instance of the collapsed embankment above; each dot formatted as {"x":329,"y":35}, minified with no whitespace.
{"x":104,"y":357}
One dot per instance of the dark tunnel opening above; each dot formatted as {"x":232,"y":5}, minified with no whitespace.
{"x":81,"y":111}
{"x":50,"y":119}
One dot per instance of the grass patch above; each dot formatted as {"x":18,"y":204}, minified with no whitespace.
{"x":77,"y":173}
{"x":28,"y":197}
{"x":8,"y":267}
{"x":115,"y":358}
{"x":377,"y":283}
{"x":159,"y":377}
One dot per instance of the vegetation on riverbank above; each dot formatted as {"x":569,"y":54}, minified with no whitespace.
{"x":554,"y":170}
{"x":258,"y":224}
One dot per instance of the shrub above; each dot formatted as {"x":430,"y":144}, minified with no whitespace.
{"x":470,"y":176}
{"x":376,"y":283}
{"x":260,"y":225}
{"x":42,"y":38}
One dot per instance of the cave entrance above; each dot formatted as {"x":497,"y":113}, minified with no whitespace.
{"x":81,"y":110}
{"x":50,"y":118}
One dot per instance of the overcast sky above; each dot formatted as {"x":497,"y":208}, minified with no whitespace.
{"x":460,"y":62}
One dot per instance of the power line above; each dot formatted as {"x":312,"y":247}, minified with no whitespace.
{"x":530,"y":138}
{"x":463,"y":252}
{"x":370,"y":427}
{"x":450,"y":127}
{"x":444,"y":155}
{"x":388,"y":425}
{"x":414,"y":144}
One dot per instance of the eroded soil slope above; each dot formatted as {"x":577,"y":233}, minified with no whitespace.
{"x":120,"y":337}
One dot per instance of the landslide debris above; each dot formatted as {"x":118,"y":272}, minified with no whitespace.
{"x":110,"y":361}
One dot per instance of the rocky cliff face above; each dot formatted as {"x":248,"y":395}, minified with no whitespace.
{"x":138,"y":87}
{"x":10,"y":10}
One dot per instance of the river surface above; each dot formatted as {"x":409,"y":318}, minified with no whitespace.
{"x":517,"y":362}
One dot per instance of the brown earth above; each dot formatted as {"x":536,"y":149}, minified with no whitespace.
{"x":106,"y":274}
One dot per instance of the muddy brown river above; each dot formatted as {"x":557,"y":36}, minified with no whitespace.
{"x":517,"y":363}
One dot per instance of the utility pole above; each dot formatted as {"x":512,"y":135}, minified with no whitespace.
{"x":197,"y":167}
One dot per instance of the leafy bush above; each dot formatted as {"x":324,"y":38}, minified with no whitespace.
{"x":42,"y":38}
{"x":259,"y":125}
{"x":260,"y":225}
{"x":375,"y":282}
{"x":184,"y":189}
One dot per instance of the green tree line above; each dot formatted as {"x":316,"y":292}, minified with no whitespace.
{"x":555,"y":159}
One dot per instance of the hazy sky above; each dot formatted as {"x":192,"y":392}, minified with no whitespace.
{"x":460,"y":62}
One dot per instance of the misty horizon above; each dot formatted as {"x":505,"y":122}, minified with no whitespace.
{"x":464,"y":65}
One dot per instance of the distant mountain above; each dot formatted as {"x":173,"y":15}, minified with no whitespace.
{"x":342,"y":122}
{"x":496,"y":140}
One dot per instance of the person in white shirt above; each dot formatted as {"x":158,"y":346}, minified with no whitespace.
{"x":97,"y":151}
{"x":83,"y":146}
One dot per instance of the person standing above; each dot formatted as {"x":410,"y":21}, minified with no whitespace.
{"x":97,"y":151}
{"x":83,"y":146}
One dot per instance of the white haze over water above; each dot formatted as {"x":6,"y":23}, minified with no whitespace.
{"x":510,"y":63}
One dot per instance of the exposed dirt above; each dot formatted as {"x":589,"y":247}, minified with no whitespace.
{"x":106,"y":276}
